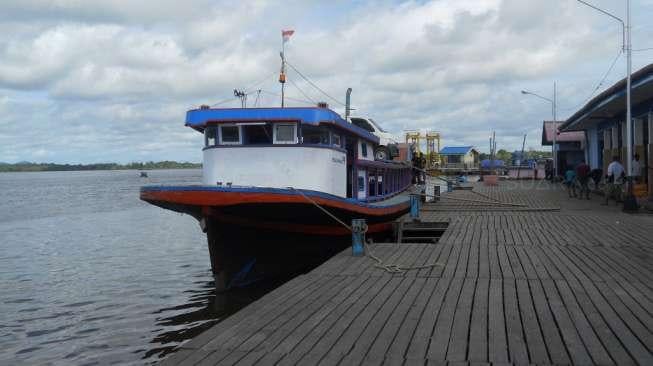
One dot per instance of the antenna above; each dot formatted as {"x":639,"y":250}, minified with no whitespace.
{"x":242,"y":96}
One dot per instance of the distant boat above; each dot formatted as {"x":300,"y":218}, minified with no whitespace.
{"x":143,"y":175}
{"x":268,"y":168}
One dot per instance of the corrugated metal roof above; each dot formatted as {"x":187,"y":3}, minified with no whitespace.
{"x":570,"y":136}
{"x":455,"y":150}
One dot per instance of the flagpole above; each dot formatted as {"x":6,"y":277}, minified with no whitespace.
{"x":282,"y":77}
{"x":283,"y":68}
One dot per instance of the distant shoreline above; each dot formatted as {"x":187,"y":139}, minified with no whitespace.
{"x":52,"y":167}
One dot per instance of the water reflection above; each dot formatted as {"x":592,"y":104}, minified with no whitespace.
{"x":206,"y":306}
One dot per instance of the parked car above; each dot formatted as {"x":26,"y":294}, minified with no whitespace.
{"x":387,"y":148}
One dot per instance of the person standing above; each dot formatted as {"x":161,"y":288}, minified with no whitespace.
{"x":637,"y":169}
{"x":583,"y":177}
{"x":614,"y":176}
{"x":570,"y":182}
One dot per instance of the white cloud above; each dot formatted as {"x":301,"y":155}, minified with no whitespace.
{"x":118,"y":77}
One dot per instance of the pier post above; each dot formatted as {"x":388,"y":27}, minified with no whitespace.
{"x":436,"y":193}
{"x":358,"y":229}
{"x":414,"y":206}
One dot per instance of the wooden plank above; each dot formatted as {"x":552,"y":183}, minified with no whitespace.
{"x":373,"y":343}
{"x":514,"y":330}
{"x":371,"y":319}
{"x":460,"y":333}
{"x":330,"y":336}
{"x":327,"y":326}
{"x":583,"y":326}
{"x":440,"y":338}
{"x":498,"y":341}
{"x":537,"y":351}
{"x":550,"y":331}
{"x":478,"y":332}
{"x":420,"y":341}
{"x":399,"y":346}
{"x":297,"y":321}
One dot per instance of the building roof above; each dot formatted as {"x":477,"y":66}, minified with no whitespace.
{"x":456,"y":150}
{"x":570,"y":136}
{"x":611,"y":103}
{"x":199,"y":118}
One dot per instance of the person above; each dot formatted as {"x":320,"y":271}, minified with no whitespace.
{"x":548,"y":170}
{"x":415,"y":161}
{"x":636,"y":169}
{"x":583,"y":177}
{"x":422,"y":166}
{"x":570,"y":182}
{"x":614,"y":176}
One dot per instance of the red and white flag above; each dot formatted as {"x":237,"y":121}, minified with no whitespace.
{"x":285,"y":34}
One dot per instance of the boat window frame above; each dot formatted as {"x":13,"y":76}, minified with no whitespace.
{"x":276,"y":141}
{"x":221,"y":135}
{"x":339,"y":137}
{"x":214,"y":130}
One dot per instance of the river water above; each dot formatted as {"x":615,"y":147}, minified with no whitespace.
{"x":89,"y":274}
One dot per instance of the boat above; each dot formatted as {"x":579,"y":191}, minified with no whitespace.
{"x":289,"y":176}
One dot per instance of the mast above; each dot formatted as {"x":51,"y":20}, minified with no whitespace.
{"x":285,"y":36}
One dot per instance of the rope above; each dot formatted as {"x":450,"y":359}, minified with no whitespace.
{"x":390,"y":268}
{"x":325,"y":210}
{"x":495,"y":202}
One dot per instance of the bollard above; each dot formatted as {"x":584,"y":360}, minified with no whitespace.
{"x":449,"y":186}
{"x":358,"y":229}
{"x":414,"y":206}
{"x":436,"y":193}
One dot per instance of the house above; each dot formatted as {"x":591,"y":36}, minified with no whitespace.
{"x":460,"y":157}
{"x":570,"y":145}
{"x":603,"y":121}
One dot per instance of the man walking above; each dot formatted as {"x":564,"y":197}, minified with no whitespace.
{"x":614,"y":177}
{"x":583,"y":177}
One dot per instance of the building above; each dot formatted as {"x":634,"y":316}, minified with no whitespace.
{"x":460,"y":157}
{"x":602,"y":120}
{"x":570,"y":145}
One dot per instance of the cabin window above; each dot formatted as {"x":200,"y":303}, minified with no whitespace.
{"x":371,"y":186}
{"x":315,"y":135}
{"x":229,"y":135}
{"x":257,"y":134}
{"x":335,"y":140}
{"x":364,"y":149}
{"x":361,"y":183}
{"x":210,"y":136}
{"x":284,"y":133}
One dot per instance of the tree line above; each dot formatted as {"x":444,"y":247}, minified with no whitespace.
{"x":49,"y":167}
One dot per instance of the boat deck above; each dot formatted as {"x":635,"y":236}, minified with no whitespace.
{"x":555,"y":281}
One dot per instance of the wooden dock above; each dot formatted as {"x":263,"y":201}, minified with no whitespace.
{"x":555,"y":281}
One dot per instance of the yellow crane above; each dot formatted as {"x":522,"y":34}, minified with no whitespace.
{"x":432,"y":146}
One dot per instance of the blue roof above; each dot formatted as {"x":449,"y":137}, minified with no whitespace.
{"x":455,"y":150}
{"x":199,"y":118}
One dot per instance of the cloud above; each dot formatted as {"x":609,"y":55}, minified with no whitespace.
{"x":111,"y":80}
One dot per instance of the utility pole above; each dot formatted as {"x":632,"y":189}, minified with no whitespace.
{"x":555,"y":131}
{"x":348,"y":104}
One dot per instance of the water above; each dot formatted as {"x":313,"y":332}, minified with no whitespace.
{"x":89,"y":274}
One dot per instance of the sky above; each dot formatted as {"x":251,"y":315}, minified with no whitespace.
{"x":111,"y":80}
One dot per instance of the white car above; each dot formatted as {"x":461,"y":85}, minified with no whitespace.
{"x":387,"y":148}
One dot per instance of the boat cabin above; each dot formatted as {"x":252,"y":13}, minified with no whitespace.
{"x":303,"y":148}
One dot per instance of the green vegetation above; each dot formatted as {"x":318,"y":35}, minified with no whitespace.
{"x":49,"y":167}
{"x":506,"y":156}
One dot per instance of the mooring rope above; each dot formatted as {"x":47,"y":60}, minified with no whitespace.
{"x":390,"y":268}
{"x":496,"y":202}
